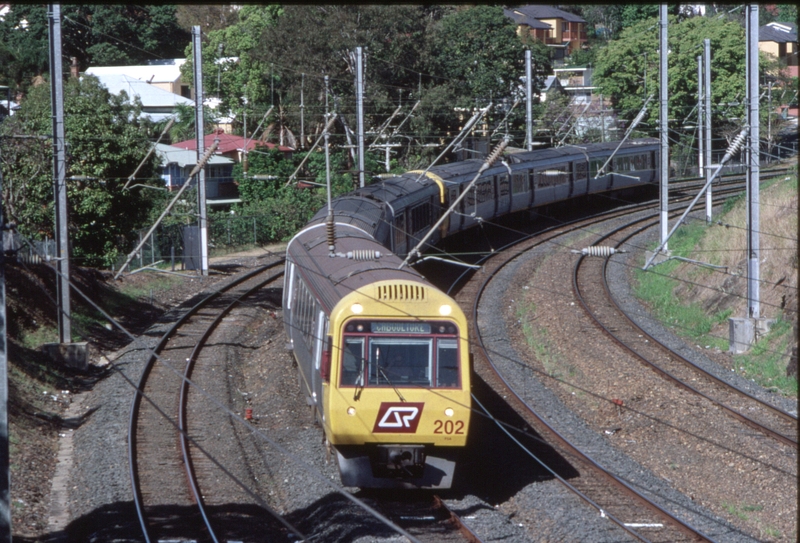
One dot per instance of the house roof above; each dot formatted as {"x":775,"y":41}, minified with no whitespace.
{"x":152,"y":98}
{"x":778,"y":32}
{"x":229,"y":143}
{"x":522,"y":19}
{"x":537,"y":11}
{"x":169,"y":72}
{"x":170,"y":154}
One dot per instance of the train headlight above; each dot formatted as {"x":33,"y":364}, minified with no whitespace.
{"x":351,"y":411}
{"x":449,"y":411}
{"x":445,"y":310}
{"x":357,"y":308}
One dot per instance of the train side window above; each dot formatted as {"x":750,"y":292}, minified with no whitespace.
{"x":447,"y":363}
{"x":594,"y":166}
{"x":352,"y":359}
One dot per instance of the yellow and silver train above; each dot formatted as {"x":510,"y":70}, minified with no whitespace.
{"x":383,"y":358}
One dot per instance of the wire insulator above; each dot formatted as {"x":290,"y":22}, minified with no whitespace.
{"x":599,"y":250}
{"x":736,"y":145}
{"x":363,"y":254}
{"x":331,"y":231}
{"x":495,"y":154}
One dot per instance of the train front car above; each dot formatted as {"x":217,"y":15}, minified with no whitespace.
{"x":389,"y":372}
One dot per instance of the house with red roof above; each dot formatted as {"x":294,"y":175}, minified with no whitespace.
{"x":232,"y":146}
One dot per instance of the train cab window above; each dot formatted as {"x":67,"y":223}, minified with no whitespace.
{"x":400,"y":361}
{"x":447,"y":363}
{"x":353,"y":362}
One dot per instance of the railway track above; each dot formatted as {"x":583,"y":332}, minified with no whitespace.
{"x":168,"y":493}
{"x":599,"y":494}
{"x":183,"y":488}
{"x":601,"y":306}
{"x":610,"y":495}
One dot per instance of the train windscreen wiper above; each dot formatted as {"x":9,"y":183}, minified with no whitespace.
{"x":380,"y":370}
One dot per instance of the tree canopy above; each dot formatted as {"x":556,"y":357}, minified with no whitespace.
{"x":620,"y":68}
{"x":95,"y":34}
{"x":105,"y":143}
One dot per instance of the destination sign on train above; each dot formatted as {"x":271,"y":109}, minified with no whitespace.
{"x":400,"y":328}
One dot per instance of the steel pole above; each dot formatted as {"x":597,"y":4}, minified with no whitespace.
{"x":707,"y":113}
{"x":528,"y":101}
{"x":663,"y":127}
{"x":700,"y":154}
{"x":59,"y":176}
{"x":5,"y":463}
{"x":360,"y":107}
{"x":197,"y":59}
{"x":753,"y":174}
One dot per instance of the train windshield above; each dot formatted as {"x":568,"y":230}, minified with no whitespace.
{"x":400,"y":360}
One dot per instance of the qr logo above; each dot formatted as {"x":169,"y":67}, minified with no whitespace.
{"x":398,"y":417}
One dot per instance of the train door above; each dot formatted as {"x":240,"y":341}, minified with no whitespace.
{"x":399,"y":233}
{"x":503,"y":192}
{"x":320,"y":334}
{"x":454,"y":220}
{"x":560,"y":176}
{"x":288,"y":291}
{"x":580,"y":181}
{"x":520,"y":190}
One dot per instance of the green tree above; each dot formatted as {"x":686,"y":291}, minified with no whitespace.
{"x":95,"y":34}
{"x":231,"y":73}
{"x":478,"y":50}
{"x":105,"y":142}
{"x":621,"y":66}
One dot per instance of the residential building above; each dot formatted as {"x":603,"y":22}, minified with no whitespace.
{"x":779,"y":40}
{"x":560,"y":30}
{"x":232,"y":146}
{"x":164,"y":74}
{"x":177,"y":163}
{"x":157,"y":104}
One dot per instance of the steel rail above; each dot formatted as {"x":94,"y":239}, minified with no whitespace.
{"x":184,"y":399}
{"x":617,"y":481}
{"x":137,"y":399}
{"x":742,"y":417}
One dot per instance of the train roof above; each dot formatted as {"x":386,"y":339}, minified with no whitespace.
{"x":567,"y":151}
{"x":363,"y":213}
{"x":333,"y":278}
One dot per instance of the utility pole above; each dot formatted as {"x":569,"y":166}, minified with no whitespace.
{"x":664,"y":127}
{"x":753,"y":174}
{"x":360,"y":108}
{"x":197,"y":59}
{"x":707,"y":111}
{"x":528,"y":101}
{"x":59,"y":176}
{"x":5,"y":472}
{"x":700,"y":153}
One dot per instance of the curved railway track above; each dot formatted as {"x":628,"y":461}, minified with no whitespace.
{"x":608,"y":502}
{"x":601,"y":306}
{"x":182,"y":491}
{"x":167,"y":494}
